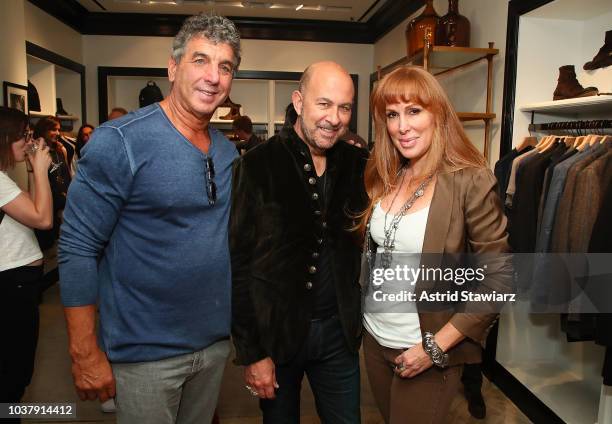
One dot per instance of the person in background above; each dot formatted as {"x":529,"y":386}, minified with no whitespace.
{"x":290,"y":117}
{"x":296,"y":302}
{"x":69,"y":145}
{"x":117,"y":112}
{"x":20,"y":258}
{"x":243,"y":128}
{"x":354,"y":139}
{"x":146,"y":241}
{"x":49,"y":129}
{"x":83,"y":137}
{"x":430,"y":193}
{"x":471,"y":378}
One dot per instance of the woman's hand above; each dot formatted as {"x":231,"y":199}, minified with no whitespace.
{"x":412,"y":362}
{"x":39,"y":157}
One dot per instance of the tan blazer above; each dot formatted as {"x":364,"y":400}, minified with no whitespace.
{"x":466,"y":216}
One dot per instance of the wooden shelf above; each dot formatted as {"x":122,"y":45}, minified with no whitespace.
{"x":67,"y":117}
{"x":474,"y":116}
{"x":34,"y":114}
{"x":229,"y":121}
{"x":580,"y":105}
{"x":443,"y":59}
{"x":40,"y":114}
{"x":439,"y":60}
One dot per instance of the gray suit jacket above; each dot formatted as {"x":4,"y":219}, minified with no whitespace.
{"x":553,"y":197}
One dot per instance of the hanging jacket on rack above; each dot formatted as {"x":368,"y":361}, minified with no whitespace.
{"x":601,"y":242}
{"x":529,"y":180}
{"x":569,"y":210}
{"x":563,"y":224}
{"x":503,"y":169}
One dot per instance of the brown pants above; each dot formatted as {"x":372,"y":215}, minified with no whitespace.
{"x":424,"y":398}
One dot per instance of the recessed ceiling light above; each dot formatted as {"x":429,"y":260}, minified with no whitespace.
{"x":299,"y":7}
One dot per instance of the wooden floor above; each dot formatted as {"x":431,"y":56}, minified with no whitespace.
{"x":52,"y":382}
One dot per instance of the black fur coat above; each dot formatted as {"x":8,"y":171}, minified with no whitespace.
{"x":276,"y":225}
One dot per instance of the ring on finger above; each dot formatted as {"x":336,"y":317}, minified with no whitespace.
{"x":252,"y":390}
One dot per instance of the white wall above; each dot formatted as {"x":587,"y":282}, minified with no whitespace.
{"x":466,"y":88}
{"x":261,"y":55}
{"x":12,"y":48}
{"x":13,"y":66}
{"x":46,"y":31}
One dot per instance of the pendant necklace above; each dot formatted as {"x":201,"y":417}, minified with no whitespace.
{"x":389,"y":242}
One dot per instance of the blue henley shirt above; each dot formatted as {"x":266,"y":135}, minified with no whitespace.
{"x":140,"y":239}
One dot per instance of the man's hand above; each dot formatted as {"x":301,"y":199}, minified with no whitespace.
{"x":92,"y":373}
{"x":93,"y":376}
{"x":261,"y":377}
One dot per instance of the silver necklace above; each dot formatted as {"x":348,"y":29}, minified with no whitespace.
{"x":389,"y":242}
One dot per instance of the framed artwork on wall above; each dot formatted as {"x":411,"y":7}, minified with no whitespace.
{"x":15,"y":96}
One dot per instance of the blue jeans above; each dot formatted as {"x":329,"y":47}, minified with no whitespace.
{"x":183,"y":389}
{"x":333,"y":374}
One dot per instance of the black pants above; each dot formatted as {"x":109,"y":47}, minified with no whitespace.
{"x":333,"y":374}
{"x":472,"y":378}
{"x":19,"y":294}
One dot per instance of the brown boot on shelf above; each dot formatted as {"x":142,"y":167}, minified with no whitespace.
{"x":568,"y":86}
{"x":604,"y":57}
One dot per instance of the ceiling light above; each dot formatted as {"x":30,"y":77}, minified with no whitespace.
{"x":256,"y":4}
{"x":282,"y":6}
{"x":159,"y":1}
{"x":299,"y":7}
{"x":337,"y":8}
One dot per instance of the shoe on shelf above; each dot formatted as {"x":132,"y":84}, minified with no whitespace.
{"x":604,"y":57}
{"x":568,"y":86}
{"x":60,"y":107}
{"x":476,"y":405}
{"x":108,"y":406}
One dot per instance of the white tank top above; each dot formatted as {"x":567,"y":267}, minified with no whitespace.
{"x":397,"y":330}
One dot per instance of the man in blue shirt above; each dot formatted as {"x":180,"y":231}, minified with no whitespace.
{"x":145,"y":240}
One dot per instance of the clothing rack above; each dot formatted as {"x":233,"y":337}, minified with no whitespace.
{"x":573,"y":127}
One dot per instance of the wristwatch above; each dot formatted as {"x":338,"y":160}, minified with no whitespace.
{"x":431,"y":348}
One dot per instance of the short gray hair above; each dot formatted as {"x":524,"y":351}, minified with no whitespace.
{"x":217,"y":29}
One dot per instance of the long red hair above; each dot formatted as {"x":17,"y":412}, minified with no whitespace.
{"x":450,"y":147}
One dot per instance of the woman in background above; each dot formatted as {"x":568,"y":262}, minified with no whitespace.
{"x":21,"y":258}
{"x":83,"y":137}
{"x":430,"y":194}
{"x":48,"y":128}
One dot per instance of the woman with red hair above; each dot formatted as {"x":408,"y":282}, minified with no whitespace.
{"x":430,"y":194}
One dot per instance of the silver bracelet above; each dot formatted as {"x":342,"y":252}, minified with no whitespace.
{"x":431,"y":348}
